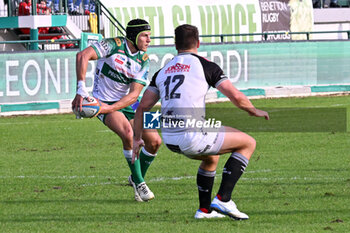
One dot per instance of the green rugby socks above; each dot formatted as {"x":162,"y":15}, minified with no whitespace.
{"x":146,"y":159}
{"x":134,"y":168}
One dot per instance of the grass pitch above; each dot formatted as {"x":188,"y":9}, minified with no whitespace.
{"x":59,"y":174}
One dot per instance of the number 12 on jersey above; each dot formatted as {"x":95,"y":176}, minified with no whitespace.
{"x":178,"y":80}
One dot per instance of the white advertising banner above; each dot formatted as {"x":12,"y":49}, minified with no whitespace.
{"x":211,"y":17}
{"x":214,"y":18}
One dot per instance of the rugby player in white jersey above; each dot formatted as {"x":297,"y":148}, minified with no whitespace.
{"x":182,"y":85}
{"x":121,"y":73}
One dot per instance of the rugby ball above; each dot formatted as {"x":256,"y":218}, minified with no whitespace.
{"x":91,"y":107}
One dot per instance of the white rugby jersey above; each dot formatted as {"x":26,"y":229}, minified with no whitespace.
{"x":117,"y":68}
{"x":183,"y":83}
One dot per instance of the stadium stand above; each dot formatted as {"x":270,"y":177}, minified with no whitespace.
{"x":74,"y":26}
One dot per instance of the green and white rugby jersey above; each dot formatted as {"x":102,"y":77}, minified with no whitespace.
{"x":117,"y":68}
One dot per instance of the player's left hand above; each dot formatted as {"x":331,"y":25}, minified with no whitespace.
{"x":260,"y":113}
{"x":137,"y":144}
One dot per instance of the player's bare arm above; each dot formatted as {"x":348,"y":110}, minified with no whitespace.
{"x":240,"y":100}
{"x":82,"y":61}
{"x":148,"y":100}
{"x":130,"y":98}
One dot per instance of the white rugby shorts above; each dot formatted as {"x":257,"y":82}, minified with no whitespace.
{"x":194,"y":144}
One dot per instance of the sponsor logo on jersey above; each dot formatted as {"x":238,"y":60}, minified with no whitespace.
{"x":118,"y":41}
{"x":145,"y":57}
{"x":118,"y":75}
{"x":121,"y":51}
{"x":120,"y":59}
{"x":178,"y":67}
{"x":128,"y":64}
{"x":207,"y":147}
{"x":105,"y":46}
{"x":125,"y":72}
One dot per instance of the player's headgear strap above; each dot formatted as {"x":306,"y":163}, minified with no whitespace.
{"x":134,"y":28}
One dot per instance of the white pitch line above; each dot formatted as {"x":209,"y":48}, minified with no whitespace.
{"x":104,"y":131}
{"x":54,"y":177}
{"x":37,"y":123}
{"x":105,"y":177}
{"x":15,"y":123}
{"x":161,"y":179}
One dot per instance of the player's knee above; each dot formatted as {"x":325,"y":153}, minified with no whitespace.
{"x":252,"y":143}
{"x":212,"y":160}
{"x":155,"y":143}
{"x":152,"y":147}
{"x":209,"y":163}
{"x":127,"y":136}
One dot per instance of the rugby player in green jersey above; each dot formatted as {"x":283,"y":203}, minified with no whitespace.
{"x":121,"y":73}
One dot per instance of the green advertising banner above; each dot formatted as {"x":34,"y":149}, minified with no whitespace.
{"x":252,"y":67}
{"x":259,"y":65}
{"x":39,"y":76}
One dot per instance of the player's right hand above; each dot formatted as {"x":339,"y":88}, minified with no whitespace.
{"x":106,"y":108}
{"x":77,"y":103}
